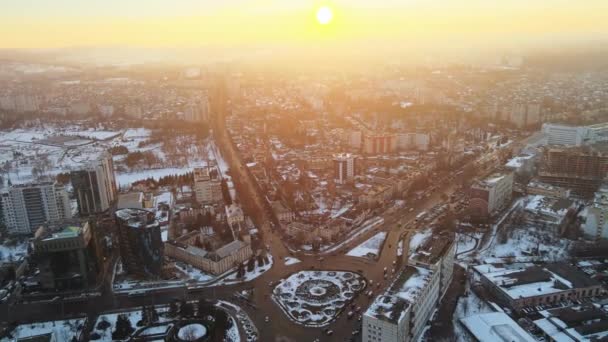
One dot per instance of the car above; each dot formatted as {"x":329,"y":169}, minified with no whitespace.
{"x":350,"y":314}
{"x":355,"y":332}
{"x":329,"y":332}
{"x":266,"y":319}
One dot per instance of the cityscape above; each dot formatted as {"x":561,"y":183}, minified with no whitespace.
{"x":269,"y":190}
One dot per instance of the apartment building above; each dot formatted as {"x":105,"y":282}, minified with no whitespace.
{"x":26,"y":207}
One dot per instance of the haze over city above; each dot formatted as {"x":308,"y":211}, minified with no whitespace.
{"x":304,"y":171}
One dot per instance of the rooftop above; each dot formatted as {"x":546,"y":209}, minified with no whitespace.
{"x":137,"y":218}
{"x":524,"y":280}
{"x":432,"y":249}
{"x":575,"y":323}
{"x":400,"y":295}
{"x":495,"y":326}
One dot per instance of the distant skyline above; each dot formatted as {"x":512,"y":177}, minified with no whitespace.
{"x":233,"y":23}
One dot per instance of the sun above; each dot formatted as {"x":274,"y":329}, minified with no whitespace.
{"x":324,"y":15}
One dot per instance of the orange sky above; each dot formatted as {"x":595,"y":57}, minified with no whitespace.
{"x":184,"y":23}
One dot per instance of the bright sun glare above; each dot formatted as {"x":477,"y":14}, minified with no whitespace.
{"x":324,"y":15}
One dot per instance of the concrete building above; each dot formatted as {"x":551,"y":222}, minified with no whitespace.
{"x":525,"y":114}
{"x":595,"y":226}
{"x":345,"y":167}
{"x":197,"y":111}
{"x":573,"y":324}
{"x":234,"y":215}
{"x":26,"y":207}
{"x":141,"y":246}
{"x":490,"y":195}
{"x":558,"y":134}
{"x":522,"y":285}
{"x":282,"y":212}
{"x":217,"y":258}
{"x":417,"y":141}
{"x":577,"y":168}
{"x":401,"y":313}
{"x":95,"y":185}
{"x":437,"y":254}
{"x":536,"y":187}
{"x":207,"y":185}
{"x":65,"y":255}
{"x":378,"y":143}
{"x":495,"y":326}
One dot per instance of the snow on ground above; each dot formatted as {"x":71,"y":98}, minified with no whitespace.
{"x":528,"y":241}
{"x":466,"y":242}
{"x":291,"y":261}
{"x":355,"y":233}
{"x":369,"y":248}
{"x":468,"y":306}
{"x":62,"y":330}
{"x":315,"y":298}
{"x":192,"y":332}
{"x":249,"y":276}
{"x":419,"y":238}
{"x":193,"y":272}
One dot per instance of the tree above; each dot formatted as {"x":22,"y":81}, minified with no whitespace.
{"x":240,"y":273}
{"x":251,"y":264}
{"x":123,"y":328}
{"x":205,"y":308}
{"x":221,"y":325}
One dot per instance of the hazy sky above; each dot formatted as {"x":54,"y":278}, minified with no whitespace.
{"x":184,"y":23}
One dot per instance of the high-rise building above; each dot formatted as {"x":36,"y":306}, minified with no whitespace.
{"x":207,"y":185}
{"x":490,"y":195}
{"x":28,"y":206}
{"x":379,"y":143}
{"x":141,"y":245}
{"x":65,"y":254}
{"x":197,"y":111}
{"x":581,"y":169}
{"x":345,"y":167}
{"x":95,"y":185}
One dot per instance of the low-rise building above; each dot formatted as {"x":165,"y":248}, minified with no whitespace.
{"x":573,"y":324}
{"x":521,"y":285}
{"x":491,"y":194}
{"x":284,"y":215}
{"x":495,"y":326}
{"x":203,"y":251}
{"x":536,"y":187}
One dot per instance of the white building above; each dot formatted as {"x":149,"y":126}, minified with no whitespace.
{"x":596,"y":215}
{"x":344,"y":167}
{"x":491,"y":194}
{"x":401,"y":314}
{"x":495,"y":326}
{"x":558,"y":134}
{"x":207,"y":185}
{"x":28,"y":206}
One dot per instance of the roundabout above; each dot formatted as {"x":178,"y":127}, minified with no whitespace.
{"x":315,"y":298}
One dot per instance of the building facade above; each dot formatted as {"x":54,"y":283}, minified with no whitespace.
{"x":490,"y":195}
{"x":26,"y":207}
{"x":95,"y":186}
{"x":345,"y":167}
{"x":141,"y":246}
{"x":207,"y":185}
